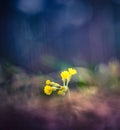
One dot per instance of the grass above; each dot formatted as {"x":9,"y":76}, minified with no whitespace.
{"x":93,"y":103}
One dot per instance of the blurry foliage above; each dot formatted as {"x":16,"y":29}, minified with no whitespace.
{"x":104,"y":76}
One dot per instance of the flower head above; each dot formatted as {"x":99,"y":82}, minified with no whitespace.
{"x":64,"y":88}
{"x":52,"y":87}
{"x":65,"y":75}
{"x":72,"y":71}
{"x":60,"y":92}
{"x":48,"y":90}
{"x":48,"y":82}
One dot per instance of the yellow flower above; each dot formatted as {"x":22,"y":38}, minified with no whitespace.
{"x":65,"y":75}
{"x":48,"y":82}
{"x":48,"y":90}
{"x":60,"y":92}
{"x":72,"y":71}
{"x":64,"y":88}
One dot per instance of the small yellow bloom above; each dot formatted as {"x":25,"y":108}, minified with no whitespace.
{"x":48,"y":82}
{"x":60,"y":92}
{"x":65,"y":75}
{"x":48,"y":90}
{"x":72,"y":71}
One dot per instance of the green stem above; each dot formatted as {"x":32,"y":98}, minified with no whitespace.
{"x":63,"y":83}
{"x":68,"y":80}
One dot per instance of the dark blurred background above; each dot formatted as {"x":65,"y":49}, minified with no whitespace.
{"x":46,"y":35}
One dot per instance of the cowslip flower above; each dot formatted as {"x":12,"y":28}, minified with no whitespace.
{"x":52,"y":87}
{"x":48,"y":82}
{"x":64,"y":88}
{"x":65,"y":75}
{"x":48,"y":90}
{"x":72,"y":71}
{"x":60,"y":92}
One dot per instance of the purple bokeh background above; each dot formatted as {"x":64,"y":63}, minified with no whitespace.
{"x":35,"y":34}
